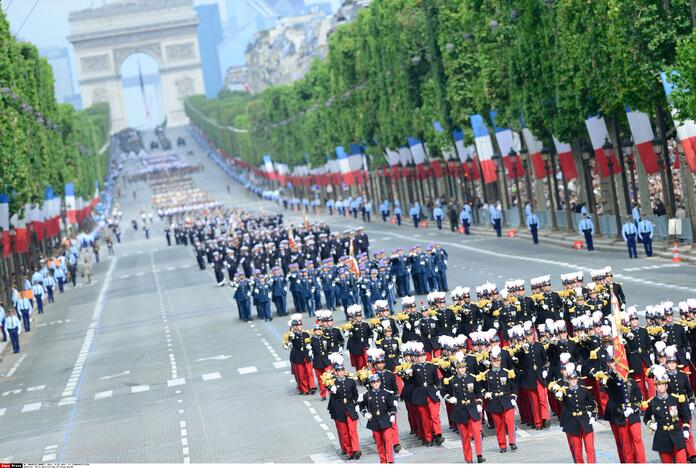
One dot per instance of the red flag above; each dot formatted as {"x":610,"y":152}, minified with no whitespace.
{"x":352,"y":262}
{"x":620,"y":358}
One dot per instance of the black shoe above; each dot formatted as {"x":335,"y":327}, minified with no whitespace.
{"x":438,"y":440}
{"x":397,"y":448}
{"x":547,"y":424}
{"x":357,"y":454}
{"x":503,"y":450}
{"x":313,"y":391}
{"x":513,"y":447}
{"x":480,"y":459}
{"x":323,"y":398}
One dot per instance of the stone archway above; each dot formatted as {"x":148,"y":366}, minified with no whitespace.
{"x":164,"y":29}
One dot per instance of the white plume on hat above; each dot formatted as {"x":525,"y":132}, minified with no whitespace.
{"x":354,"y":309}
{"x":691,"y":303}
{"x":408,"y":300}
{"x":683,"y":307}
{"x":495,"y":352}
{"x":382,"y":304}
{"x":336,"y":359}
{"x":597,"y":316}
{"x":386,"y":324}
{"x":660,"y":346}
{"x":570,"y":367}
{"x":504,"y":293}
{"x":460,"y":340}
{"x":659,"y":373}
{"x":564,"y":357}
{"x":671,"y":351}
{"x":606,"y":330}
{"x":375,"y":353}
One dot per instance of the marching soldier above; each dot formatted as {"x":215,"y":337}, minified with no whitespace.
{"x":242,"y":295}
{"x":390,"y":384}
{"x":320,"y":347}
{"x":664,"y":415}
{"x":464,"y":393}
{"x":342,"y":408}
{"x":501,"y":394}
{"x":679,"y":386}
{"x":638,"y":346}
{"x":534,"y":365}
{"x":578,"y":416}
{"x":299,"y":343}
{"x":623,"y":413}
{"x":425,"y":396}
{"x":359,"y":334}
{"x":379,"y":409}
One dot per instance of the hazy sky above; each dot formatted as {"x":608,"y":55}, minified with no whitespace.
{"x":47,"y":26}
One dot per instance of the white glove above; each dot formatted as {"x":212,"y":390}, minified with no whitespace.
{"x":333,"y":389}
{"x":452,"y":400}
{"x":496,"y":324}
{"x":687,"y":434}
{"x":392,"y":418}
{"x":630,"y":335}
{"x":544,"y":373}
{"x":438,"y":394}
{"x":285,"y":346}
{"x":691,"y":406}
{"x":592,"y":420}
{"x":488,"y":395}
{"x":479,"y":408}
{"x":652,"y":357}
{"x":688,"y":356}
{"x":628,"y":412}
{"x":409,"y":371}
{"x":652,"y":426}
{"x":558,"y":395}
{"x":368,"y":416}
{"x":514,"y":402}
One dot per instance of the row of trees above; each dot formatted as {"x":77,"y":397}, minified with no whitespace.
{"x":43,"y":143}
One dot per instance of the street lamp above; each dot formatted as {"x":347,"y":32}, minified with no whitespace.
{"x":627,"y":148}
{"x":524,"y":155}
{"x":587,"y":155}
{"x":512,"y":155}
{"x":609,"y":152}
{"x":546,"y":154}
{"x":657,"y":147}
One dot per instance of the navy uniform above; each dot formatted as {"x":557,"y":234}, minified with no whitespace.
{"x":279,"y":290}
{"x":630,"y":235}
{"x":299,"y":343}
{"x":664,"y":415}
{"x":462,"y":391}
{"x":586,"y":228}
{"x":342,"y":408}
{"x":645,"y":231}
{"x":501,"y":395}
{"x":242,"y":294}
{"x":577,"y":417}
{"x":533,"y":226}
{"x":379,"y":409}
{"x":623,"y":413}
{"x":262,"y":299}
{"x":425,"y":396}
{"x":321,"y":348}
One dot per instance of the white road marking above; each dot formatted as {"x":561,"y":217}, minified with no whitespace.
{"x":13,"y":369}
{"x":106,"y":394}
{"x":219,"y":357}
{"x":67,"y":401}
{"x":317,"y":418}
{"x":38,"y":387}
{"x":176,"y":382}
{"x":2,"y":411}
{"x":324,"y":426}
{"x":140,"y":388}
{"x":125,"y":372}
{"x":281,"y":364}
{"x":211,"y":376}
{"x":247,"y":370}
{"x":124,"y":276}
{"x":31,"y":407}
{"x":140,"y":273}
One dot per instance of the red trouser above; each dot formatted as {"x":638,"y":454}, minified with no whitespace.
{"x":385,"y":444}
{"x":503,"y":421}
{"x":395,"y":432}
{"x":525,"y":406}
{"x":303,"y":376}
{"x":348,"y":435}
{"x":677,"y":456}
{"x":358,"y":361}
{"x":554,"y":403}
{"x":449,"y":407}
{"x":576,"y":443}
{"x":413,"y":419}
{"x":429,"y":415}
{"x":629,"y":443}
{"x":646,"y":385}
{"x":690,"y":450}
{"x":318,"y":372}
{"x":466,"y":432}
{"x":540,"y":404}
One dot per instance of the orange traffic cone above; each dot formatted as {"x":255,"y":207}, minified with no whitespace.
{"x":675,"y":254}
{"x":578,"y":245}
{"x":512,"y":233}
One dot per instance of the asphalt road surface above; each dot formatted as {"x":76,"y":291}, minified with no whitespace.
{"x":150,"y":363}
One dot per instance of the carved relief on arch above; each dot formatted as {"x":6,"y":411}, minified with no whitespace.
{"x":184,"y":87}
{"x":95,"y":63}
{"x":99,"y":95}
{"x":154,"y":49}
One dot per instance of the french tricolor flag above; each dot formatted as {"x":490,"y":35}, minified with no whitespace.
{"x":21,"y":237}
{"x":565,"y":159}
{"x":5,"y":223}
{"x":268,"y":167}
{"x":349,"y":164}
{"x":643,"y":136}
{"x":484,"y":148}
{"x":393,"y":157}
{"x":508,"y":140}
{"x":70,"y":204}
{"x":534,"y":146}
{"x":471,"y":169}
{"x":597,"y":129}
{"x":419,"y":156}
{"x":95,"y":200}
{"x":686,"y":130}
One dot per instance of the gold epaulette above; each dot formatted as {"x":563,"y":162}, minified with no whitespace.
{"x":374,"y":322}
{"x":593,"y":354}
{"x":496,"y":313}
{"x":680,"y":398}
{"x":447,"y":380}
{"x":537,"y":297}
{"x":378,"y":342}
{"x":432,"y":313}
{"x":600,"y":375}
{"x":363,"y":374}
{"x":286,"y":337}
{"x":511,"y":373}
{"x":481,"y":376}
{"x":327,"y":378}
{"x":346,"y":326}
{"x":482,"y":303}
{"x":308,"y":340}
{"x":654,"y":330}
{"x":400,"y":317}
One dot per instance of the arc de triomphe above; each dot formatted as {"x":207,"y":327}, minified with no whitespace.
{"x":104,"y":37}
